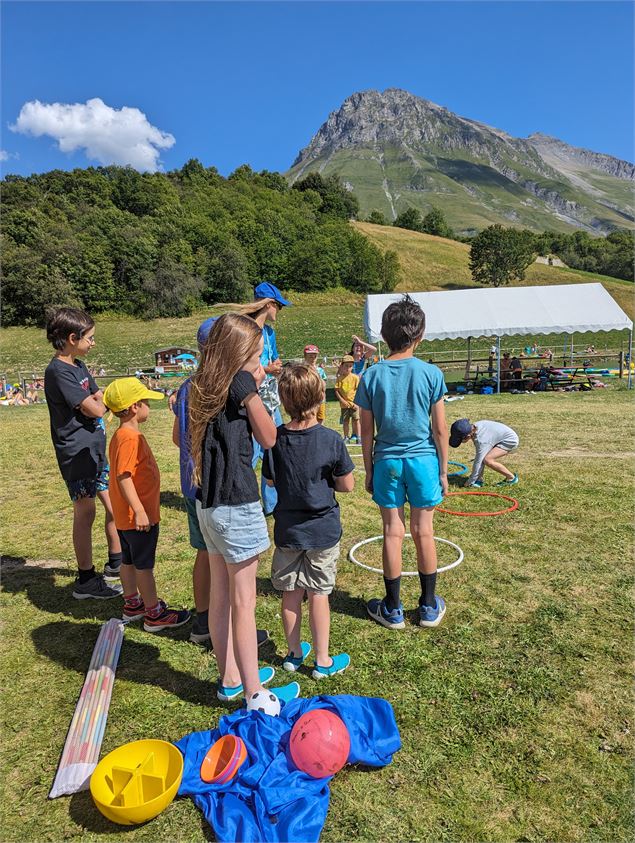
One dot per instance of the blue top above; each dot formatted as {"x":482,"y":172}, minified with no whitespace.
{"x":359,"y":366}
{"x":185,"y":458}
{"x":270,"y":350}
{"x":400,"y":394}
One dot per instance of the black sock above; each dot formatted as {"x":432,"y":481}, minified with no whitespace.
{"x":202,"y":620}
{"x":392,"y":593}
{"x":114,"y":559}
{"x":428,"y":583}
{"x":85,"y":576}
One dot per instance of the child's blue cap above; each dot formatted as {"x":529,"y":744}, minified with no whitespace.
{"x":270,"y":291}
{"x":204,"y":331}
{"x":459,"y":430}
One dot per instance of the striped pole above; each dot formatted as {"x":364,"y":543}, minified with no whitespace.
{"x":83,"y":741}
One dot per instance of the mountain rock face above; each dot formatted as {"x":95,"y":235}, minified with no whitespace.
{"x":396,"y":150}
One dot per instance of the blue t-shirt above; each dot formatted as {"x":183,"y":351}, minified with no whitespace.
{"x":270,"y":350}
{"x":359,"y":366}
{"x":185,"y":458}
{"x":400,"y":394}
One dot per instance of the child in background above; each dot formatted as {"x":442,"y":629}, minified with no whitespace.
{"x":181,"y":438}
{"x":345,"y":389}
{"x":135,"y":496}
{"x":310,"y":357}
{"x":361,"y":353}
{"x":492,"y":441}
{"x":225,"y":409}
{"x":76,"y":408}
{"x":402,"y":398}
{"x":306,"y":465}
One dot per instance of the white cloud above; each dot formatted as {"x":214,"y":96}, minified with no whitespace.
{"x":108,"y":135}
{"x":4,"y":155}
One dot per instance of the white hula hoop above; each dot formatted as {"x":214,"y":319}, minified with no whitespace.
{"x":455,"y":564}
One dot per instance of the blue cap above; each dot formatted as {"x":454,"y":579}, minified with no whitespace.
{"x":459,"y":430}
{"x":270,"y":291}
{"x":204,"y":330}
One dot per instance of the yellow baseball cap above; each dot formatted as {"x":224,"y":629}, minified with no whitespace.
{"x":124,"y":392}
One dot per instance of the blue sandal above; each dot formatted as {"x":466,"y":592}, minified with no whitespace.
{"x":338,"y":664}
{"x":293,"y":663}
{"x":225,"y":694}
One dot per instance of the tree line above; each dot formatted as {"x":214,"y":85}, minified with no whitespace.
{"x":611,"y":255}
{"x":163,"y":244}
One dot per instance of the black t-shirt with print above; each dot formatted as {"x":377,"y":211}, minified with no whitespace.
{"x":303,"y":465}
{"x":227,"y":476}
{"x":79,"y":441}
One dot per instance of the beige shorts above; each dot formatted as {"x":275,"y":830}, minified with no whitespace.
{"x":313,"y":570}
{"x":349,"y":413}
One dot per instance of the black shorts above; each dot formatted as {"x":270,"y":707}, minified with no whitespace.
{"x":139,"y":548}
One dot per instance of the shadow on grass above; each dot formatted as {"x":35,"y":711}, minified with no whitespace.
{"x":173,"y":501}
{"x":71,"y":645}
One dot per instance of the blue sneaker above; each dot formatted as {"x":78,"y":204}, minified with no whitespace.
{"x":475,"y":484}
{"x":286,"y":693}
{"x":432,"y":615}
{"x":338,"y":664}
{"x":511,"y":482}
{"x":225,"y":694}
{"x":291,"y":663}
{"x":376,"y":608}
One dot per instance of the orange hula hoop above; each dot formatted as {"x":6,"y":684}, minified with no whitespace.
{"x":511,"y":508}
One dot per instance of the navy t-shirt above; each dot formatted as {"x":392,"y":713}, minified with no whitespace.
{"x":79,"y":441}
{"x":303,"y":465}
{"x":227,"y":476}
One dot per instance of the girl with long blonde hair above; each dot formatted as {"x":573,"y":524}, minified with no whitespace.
{"x":225,"y":410}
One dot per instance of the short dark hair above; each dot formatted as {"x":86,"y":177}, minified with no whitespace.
{"x":402,"y":324}
{"x":63,"y":322}
{"x":301,"y":390}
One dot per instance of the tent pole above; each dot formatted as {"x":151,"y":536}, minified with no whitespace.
{"x":571,"y":356}
{"x":468,"y":365}
{"x":498,"y":365}
{"x":629,"y":381}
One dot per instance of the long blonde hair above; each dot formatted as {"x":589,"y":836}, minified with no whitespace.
{"x":231,"y":342}
{"x":250,"y":308}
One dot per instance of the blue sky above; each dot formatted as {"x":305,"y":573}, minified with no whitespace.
{"x":233,"y":83}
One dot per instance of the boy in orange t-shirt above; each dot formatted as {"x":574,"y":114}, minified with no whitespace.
{"x":134,"y":493}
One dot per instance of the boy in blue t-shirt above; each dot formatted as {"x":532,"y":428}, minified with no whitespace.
{"x":402,"y":411}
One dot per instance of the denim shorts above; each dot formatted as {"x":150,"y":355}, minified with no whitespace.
{"x":88,"y":487}
{"x":412,"y":479}
{"x":196,"y":537}
{"x":236,"y":532}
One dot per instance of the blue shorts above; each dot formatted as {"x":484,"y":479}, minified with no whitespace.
{"x":196,"y":537}
{"x":412,"y":479}
{"x":235,"y":532}
{"x":89,"y":486}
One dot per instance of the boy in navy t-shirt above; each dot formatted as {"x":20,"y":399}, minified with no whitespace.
{"x":308,"y":463}
{"x":402,"y":412}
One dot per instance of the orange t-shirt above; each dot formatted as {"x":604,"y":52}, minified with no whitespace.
{"x":129,"y":452}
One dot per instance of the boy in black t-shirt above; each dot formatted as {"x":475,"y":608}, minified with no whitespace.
{"x":79,"y":437}
{"x":307,"y":463}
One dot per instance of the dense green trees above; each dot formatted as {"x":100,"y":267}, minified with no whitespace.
{"x":434,"y":222}
{"x":499,"y":255}
{"x":161,"y":244}
{"x":612,"y":255}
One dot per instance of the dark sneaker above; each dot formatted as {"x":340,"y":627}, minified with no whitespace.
{"x":432,"y":615}
{"x":112,"y":571}
{"x":96,"y":589}
{"x":338,"y":664}
{"x":199,"y":634}
{"x":391,"y":619}
{"x":263,"y":636}
{"x":167,"y":619}
{"x":133,"y":611}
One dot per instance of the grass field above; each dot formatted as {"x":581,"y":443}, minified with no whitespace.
{"x":515,"y":714}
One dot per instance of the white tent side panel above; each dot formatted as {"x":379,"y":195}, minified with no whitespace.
{"x":500,"y":312}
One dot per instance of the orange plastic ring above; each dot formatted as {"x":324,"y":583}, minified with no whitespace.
{"x":223,"y":759}
{"x":480,"y":514}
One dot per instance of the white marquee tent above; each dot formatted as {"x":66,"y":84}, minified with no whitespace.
{"x":510,"y":311}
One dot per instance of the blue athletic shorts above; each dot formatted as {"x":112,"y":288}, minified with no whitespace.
{"x":412,"y":479}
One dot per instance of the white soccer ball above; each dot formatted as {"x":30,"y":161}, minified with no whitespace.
{"x":264,"y":701}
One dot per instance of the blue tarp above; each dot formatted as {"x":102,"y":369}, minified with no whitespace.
{"x":270,"y":799}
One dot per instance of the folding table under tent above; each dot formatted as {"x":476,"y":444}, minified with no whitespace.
{"x":509,"y":311}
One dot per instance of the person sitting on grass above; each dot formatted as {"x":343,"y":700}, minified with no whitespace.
{"x":402,"y":397}
{"x":135,"y":494}
{"x":345,"y":389}
{"x":307,"y":465}
{"x":492,"y":441}
{"x":310,"y":358}
{"x":76,"y":409}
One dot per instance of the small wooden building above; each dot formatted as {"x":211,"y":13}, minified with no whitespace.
{"x":165,"y":359}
